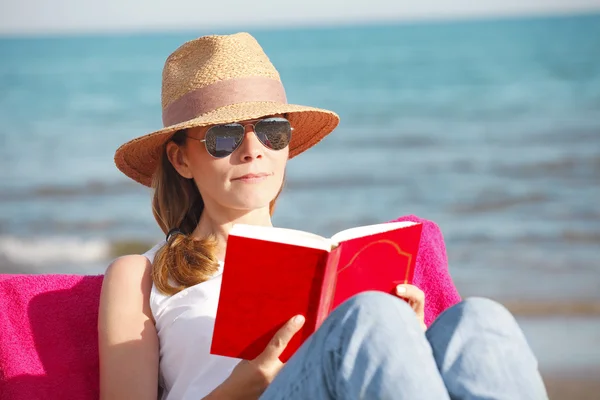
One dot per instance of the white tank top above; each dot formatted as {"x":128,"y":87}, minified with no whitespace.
{"x":185,"y":323}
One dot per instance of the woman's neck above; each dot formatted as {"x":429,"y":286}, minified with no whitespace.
{"x":219,"y":224}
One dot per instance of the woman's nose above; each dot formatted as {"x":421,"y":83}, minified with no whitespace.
{"x":251,"y":147}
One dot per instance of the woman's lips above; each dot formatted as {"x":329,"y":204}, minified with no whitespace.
{"x":251,"y":178}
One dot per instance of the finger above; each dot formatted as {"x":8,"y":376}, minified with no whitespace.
{"x":281,"y":339}
{"x":415,"y":295}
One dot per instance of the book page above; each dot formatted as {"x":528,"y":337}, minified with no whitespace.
{"x":282,"y":235}
{"x":367,"y":230}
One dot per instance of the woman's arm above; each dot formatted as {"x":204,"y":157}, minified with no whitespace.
{"x":128,"y":343}
{"x":249,"y":379}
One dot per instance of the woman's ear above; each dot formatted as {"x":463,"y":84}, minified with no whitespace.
{"x":177,"y":158}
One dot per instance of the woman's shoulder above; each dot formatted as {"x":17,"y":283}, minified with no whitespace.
{"x":152,"y":251}
{"x":128,"y":265}
{"x":128,"y":282}
{"x":128,"y":271}
{"x":132,"y":268}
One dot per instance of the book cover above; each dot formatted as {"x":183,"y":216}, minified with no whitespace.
{"x":272,"y":274}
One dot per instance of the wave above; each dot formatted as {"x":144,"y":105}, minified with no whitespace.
{"x":587,"y":167}
{"x":95,"y":188}
{"x":42,"y":251}
{"x":58,"y":254}
{"x":500,"y":202}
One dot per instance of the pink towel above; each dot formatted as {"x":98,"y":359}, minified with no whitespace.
{"x":431,"y":271}
{"x":48,"y":324}
{"x":49,"y":337}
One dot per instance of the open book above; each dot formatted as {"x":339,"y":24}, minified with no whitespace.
{"x":271,"y":274}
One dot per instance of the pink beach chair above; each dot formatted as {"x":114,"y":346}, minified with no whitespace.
{"x":49,"y":337}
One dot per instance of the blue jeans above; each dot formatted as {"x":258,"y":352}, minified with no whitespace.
{"x":372,"y":347}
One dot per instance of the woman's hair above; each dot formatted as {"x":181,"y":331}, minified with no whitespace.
{"x":182,"y":262}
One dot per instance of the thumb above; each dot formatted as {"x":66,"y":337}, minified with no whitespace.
{"x":281,"y":339}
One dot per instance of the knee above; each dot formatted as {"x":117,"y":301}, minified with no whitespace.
{"x":485,"y":308}
{"x":379,"y":306}
{"x":487,"y":313}
{"x":366,"y":327}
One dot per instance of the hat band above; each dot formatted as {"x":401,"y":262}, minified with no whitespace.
{"x":220,"y":94}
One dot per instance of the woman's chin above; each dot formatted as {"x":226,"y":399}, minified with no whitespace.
{"x":252,"y":204}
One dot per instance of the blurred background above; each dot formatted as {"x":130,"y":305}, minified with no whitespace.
{"x":484,"y":118}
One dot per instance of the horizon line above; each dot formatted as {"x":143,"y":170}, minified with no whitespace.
{"x":301,"y":25}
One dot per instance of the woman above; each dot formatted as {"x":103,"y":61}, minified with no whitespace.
{"x":220,"y":160}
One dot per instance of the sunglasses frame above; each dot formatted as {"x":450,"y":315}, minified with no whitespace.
{"x":253,"y":124}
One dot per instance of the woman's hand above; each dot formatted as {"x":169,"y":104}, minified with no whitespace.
{"x":416,"y":299}
{"x":249,"y":379}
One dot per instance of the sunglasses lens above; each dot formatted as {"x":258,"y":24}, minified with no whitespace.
{"x":274,"y":133}
{"x":222,"y":140}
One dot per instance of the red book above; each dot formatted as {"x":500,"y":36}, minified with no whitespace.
{"x":272,"y":274}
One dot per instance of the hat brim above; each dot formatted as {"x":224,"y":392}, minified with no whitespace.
{"x":139,"y":157}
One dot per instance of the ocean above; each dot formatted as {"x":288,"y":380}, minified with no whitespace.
{"x":489,"y":128}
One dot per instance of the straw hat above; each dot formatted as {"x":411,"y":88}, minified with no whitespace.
{"x":220,"y":79}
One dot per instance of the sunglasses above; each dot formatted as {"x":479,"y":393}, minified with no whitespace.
{"x":274,"y":133}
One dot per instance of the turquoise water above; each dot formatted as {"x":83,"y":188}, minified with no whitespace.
{"x":491,"y":129}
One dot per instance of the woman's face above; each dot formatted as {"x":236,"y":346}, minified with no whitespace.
{"x":247,"y":179}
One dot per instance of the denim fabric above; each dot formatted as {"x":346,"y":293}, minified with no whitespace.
{"x":372,"y":347}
